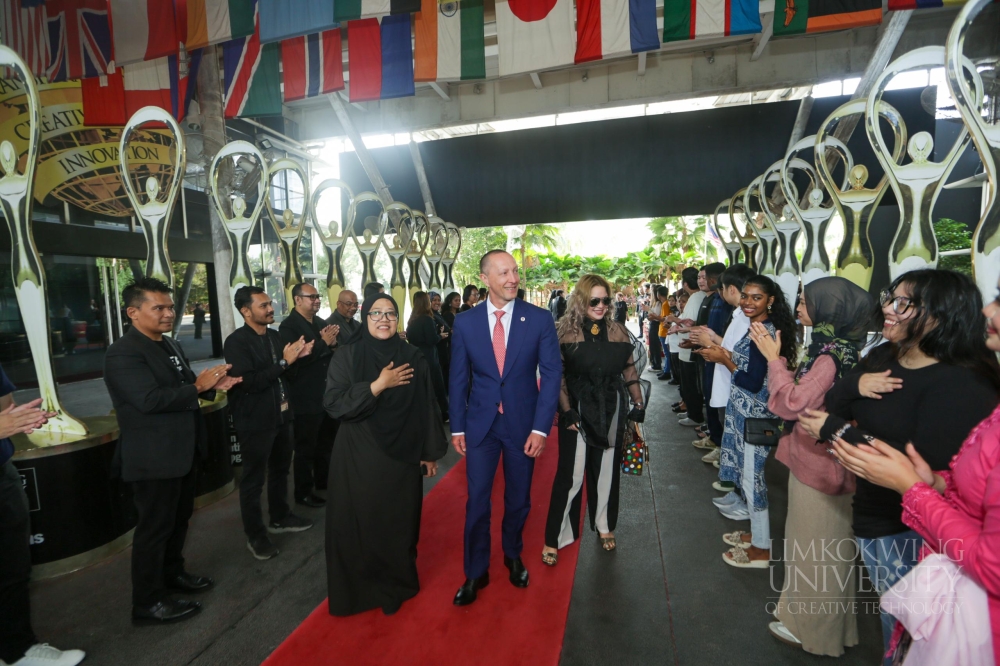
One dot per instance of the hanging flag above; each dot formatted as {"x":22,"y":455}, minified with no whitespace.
{"x":609,"y":28}
{"x":803,"y":16}
{"x":252,"y":79}
{"x":533,"y":35}
{"x":166,"y":82}
{"x":450,"y":41}
{"x":210,"y":22}
{"x":900,"y":5}
{"x":691,"y":19}
{"x":284,"y":19}
{"x":380,"y":58}
{"x":313,"y":65}
{"x":79,"y":39}
{"x":142,"y":30}
{"x":23,"y":28}
{"x":348,"y":10}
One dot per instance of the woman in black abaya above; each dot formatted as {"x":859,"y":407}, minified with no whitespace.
{"x":380,"y":390}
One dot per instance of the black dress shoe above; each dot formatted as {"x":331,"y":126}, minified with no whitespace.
{"x":186,"y":582}
{"x":392,"y":608}
{"x":311,"y":500}
{"x":165,"y":611}
{"x":467,"y":593}
{"x":518,"y":574}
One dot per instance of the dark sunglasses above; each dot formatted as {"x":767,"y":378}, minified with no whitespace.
{"x":594,"y":302}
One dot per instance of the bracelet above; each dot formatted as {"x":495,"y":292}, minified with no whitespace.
{"x":840,"y":432}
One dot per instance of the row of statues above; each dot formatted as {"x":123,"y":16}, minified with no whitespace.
{"x":768,"y":216}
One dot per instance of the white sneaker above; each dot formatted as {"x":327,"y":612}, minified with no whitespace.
{"x":711,"y":456}
{"x":43,"y":654}
{"x":735,"y":513}
{"x":688,"y":422}
{"x":781,"y":632}
{"x":726,"y":500}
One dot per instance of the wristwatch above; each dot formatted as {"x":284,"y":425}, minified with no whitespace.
{"x":283,"y":363}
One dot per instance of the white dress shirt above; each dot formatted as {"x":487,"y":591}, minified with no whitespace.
{"x":690,"y":312}
{"x":722,"y":380}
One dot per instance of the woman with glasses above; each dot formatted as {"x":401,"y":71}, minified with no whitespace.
{"x":424,"y":332}
{"x":599,"y":379}
{"x":470,"y":296}
{"x":390,"y":435}
{"x":930,"y":383}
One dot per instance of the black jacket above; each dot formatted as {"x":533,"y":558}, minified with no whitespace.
{"x":255,"y":403}
{"x":350,"y":329}
{"x":422,"y":333}
{"x":157,"y":408}
{"x":307,"y":376}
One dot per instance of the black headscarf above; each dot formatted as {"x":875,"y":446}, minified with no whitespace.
{"x":400,"y":421}
{"x":840,"y":311}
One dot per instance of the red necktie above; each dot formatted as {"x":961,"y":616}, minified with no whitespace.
{"x":499,"y":345}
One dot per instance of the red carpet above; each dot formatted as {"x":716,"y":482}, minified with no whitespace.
{"x":506,"y":625}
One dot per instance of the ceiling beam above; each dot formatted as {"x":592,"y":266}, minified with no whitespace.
{"x":535,"y":80}
{"x":642,"y":64}
{"x":760,"y":41}
{"x":442,"y":91}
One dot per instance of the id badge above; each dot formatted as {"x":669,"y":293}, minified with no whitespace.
{"x":284,"y":406}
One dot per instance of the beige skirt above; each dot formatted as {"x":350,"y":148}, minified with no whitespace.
{"x":817,"y":601}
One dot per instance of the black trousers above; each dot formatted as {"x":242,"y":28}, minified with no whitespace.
{"x":164,"y":507}
{"x":655,"y":358}
{"x":312,"y":453}
{"x":16,"y":635}
{"x":675,"y":367}
{"x":197,"y":329}
{"x":691,"y":392}
{"x":267,"y":455}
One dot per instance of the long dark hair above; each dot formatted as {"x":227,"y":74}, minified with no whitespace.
{"x":446,"y":303}
{"x":780,"y":314}
{"x":469,"y":288}
{"x":949,"y":324}
{"x":421,"y":306}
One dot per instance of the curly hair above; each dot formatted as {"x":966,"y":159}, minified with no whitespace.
{"x":579,"y":301}
{"x":780,"y":314}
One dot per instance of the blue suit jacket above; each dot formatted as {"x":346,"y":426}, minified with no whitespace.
{"x":477,"y":387}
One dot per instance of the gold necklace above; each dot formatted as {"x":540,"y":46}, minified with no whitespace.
{"x":595,"y":329}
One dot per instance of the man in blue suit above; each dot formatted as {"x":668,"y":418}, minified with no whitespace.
{"x":498,"y":405}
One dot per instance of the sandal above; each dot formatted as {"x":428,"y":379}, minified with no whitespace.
{"x":608,"y":543}
{"x":736,"y":539}
{"x":737,"y":557}
{"x":550,"y":559}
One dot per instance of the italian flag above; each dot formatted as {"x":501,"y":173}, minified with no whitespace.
{"x":216,"y":21}
{"x":348,"y":10}
{"x":450,"y":41}
{"x":691,"y":19}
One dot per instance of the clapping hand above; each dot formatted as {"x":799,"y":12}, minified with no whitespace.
{"x":703,"y":336}
{"x":227,"y":383}
{"x":23,"y":419}
{"x":883,"y":465}
{"x":293,"y":350}
{"x":329,"y":334}
{"x":768,"y":345}
{"x":871,"y":384}
{"x":714,"y":354}
{"x":812,"y":421}
{"x":209,"y":378}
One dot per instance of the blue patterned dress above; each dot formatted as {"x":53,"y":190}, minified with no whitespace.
{"x":743,"y":405}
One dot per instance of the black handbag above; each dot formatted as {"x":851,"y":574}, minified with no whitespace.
{"x":762,"y":431}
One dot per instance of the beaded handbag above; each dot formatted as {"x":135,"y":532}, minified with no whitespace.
{"x":634,"y":451}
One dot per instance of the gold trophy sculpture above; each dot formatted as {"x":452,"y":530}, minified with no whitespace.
{"x":786,"y":230}
{"x":368,"y":248}
{"x":815,"y":217}
{"x":415,"y":250}
{"x":451,"y":256}
{"x":17,"y":198}
{"x":917,"y":184}
{"x":766,"y":238}
{"x":155,"y":214}
{"x":856,"y":205}
{"x":232,"y":208}
{"x":288,"y":229}
{"x":731,"y":246}
{"x":333,"y":243}
{"x":986,"y":137}
{"x":396,"y":248}
{"x":439,"y":246}
{"x":748,"y":242}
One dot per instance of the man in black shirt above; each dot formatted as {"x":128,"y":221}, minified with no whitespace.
{"x":307,"y":383}
{"x":199,"y":320}
{"x":155,"y":394}
{"x":262,"y":413}
{"x":343,"y":316}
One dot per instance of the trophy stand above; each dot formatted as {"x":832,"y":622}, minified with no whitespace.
{"x":748,"y":242}
{"x":766,"y":238}
{"x":333,"y":243}
{"x":397,"y":258}
{"x":439,"y":245}
{"x":369,"y":247}
{"x":986,"y":137}
{"x":415,"y":252}
{"x":449,"y":258}
{"x":855,"y":261}
{"x":731,"y":246}
{"x":786,"y":230}
{"x":917,"y":184}
{"x":232,"y":207}
{"x":288,"y":229}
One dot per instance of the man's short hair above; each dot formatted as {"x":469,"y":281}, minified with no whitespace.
{"x":714,"y":270}
{"x":661,"y":291}
{"x":737,"y":276}
{"x":244,"y":296}
{"x":297,"y":289}
{"x":485,"y":259}
{"x":134,"y":294}
{"x":689,"y":276}
{"x":373,"y":289}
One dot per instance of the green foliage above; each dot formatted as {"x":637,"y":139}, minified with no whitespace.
{"x":476,"y":243}
{"x":954,"y":235}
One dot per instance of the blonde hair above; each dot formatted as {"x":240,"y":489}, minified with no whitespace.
{"x":579,"y":301}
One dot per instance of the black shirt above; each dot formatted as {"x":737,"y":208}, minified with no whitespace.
{"x":306,"y":378}
{"x":175,"y":360}
{"x":935,"y":410}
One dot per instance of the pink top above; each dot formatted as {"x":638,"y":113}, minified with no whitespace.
{"x":807,"y":459}
{"x":964,"y":523}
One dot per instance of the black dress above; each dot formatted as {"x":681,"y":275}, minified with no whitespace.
{"x":375,"y":496}
{"x":422,"y":333}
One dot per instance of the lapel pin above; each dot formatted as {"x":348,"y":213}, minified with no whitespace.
{"x":522,"y":318}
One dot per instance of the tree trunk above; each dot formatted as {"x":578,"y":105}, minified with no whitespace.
{"x":182,"y":296}
{"x":214,"y":129}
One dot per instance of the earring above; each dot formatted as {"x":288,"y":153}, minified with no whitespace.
{"x":768,"y":308}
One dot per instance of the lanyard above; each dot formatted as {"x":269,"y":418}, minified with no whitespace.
{"x":281,"y":382}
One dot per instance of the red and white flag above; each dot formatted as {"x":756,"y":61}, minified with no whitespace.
{"x":142,"y":30}
{"x":111,"y":100}
{"x":533,"y":35}
{"x":24,"y":28}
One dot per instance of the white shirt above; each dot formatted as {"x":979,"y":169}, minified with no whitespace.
{"x":723,"y":378}
{"x":690,"y":312}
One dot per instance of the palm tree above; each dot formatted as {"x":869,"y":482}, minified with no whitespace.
{"x":537,"y":236}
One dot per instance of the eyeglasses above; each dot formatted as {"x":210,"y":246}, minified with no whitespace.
{"x":375,"y":315}
{"x":594,"y":302}
{"x":349,"y":304}
{"x":311,"y":297}
{"x":900,"y":304}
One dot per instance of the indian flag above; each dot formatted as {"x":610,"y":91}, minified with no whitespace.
{"x":691,"y":19}
{"x":216,"y":21}
{"x":450,"y":41}
{"x":347,"y":10}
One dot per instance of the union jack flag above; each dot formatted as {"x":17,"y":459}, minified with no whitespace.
{"x":79,"y":38}
{"x":23,"y":28}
